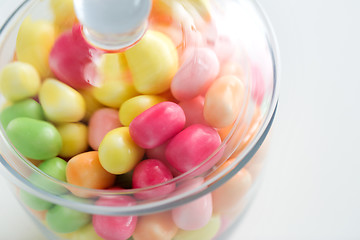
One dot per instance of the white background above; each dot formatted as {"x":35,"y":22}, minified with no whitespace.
{"x":311,"y":188}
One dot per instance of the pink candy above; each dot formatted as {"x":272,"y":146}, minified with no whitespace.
{"x":72,"y":59}
{"x":151,"y":172}
{"x":196,"y":214}
{"x":192,"y":146}
{"x":159,"y":154}
{"x":115,"y":227}
{"x":258,"y":89}
{"x":101,"y":122}
{"x":194,"y":111}
{"x":157,"y":124}
{"x":223,"y":47}
{"x":196,"y":74}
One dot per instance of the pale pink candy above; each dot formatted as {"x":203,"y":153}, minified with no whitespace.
{"x":258,"y":87}
{"x":159,"y":153}
{"x":115,"y":227}
{"x":152,"y":172}
{"x":220,"y":43}
{"x":196,"y":74}
{"x":196,"y":214}
{"x":192,"y":146}
{"x":157,"y":124}
{"x":223,"y":47}
{"x":192,"y":39}
{"x":101,"y":122}
{"x":193,"y":110}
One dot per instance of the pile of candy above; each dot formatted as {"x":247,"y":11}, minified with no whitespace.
{"x":150,"y":113}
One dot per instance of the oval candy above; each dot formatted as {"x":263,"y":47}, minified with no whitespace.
{"x":60,"y":102}
{"x":153,"y":62}
{"x":101,"y":122}
{"x":27,"y":108}
{"x":196,"y":74}
{"x":157,"y":124}
{"x":133,"y":107}
{"x":223,"y":101}
{"x":34,"y":139}
{"x":192,"y":146}
{"x":19,"y":81}
{"x":118,"y":153}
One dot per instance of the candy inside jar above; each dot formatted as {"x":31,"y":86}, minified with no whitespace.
{"x":142,"y":132}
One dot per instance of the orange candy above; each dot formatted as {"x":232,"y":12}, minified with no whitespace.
{"x":155,"y":226}
{"x":40,"y":215}
{"x":229,"y":196}
{"x":223,"y":101}
{"x":242,"y":134}
{"x":85,"y":170}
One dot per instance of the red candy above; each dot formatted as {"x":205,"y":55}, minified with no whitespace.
{"x":72,"y":59}
{"x":101,"y":122}
{"x":115,"y":227}
{"x":151,"y":172}
{"x":157,"y":124}
{"x":192,"y":146}
{"x":159,"y":154}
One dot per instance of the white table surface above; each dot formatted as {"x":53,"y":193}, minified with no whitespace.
{"x":311,"y":188}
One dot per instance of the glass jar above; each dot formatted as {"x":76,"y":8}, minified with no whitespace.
{"x":204,"y":201}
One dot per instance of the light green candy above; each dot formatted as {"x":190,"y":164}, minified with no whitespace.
{"x":34,"y":139}
{"x":56,"y":168}
{"x":26,"y":108}
{"x":208,"y":232}
{"x":34,"y":202}
{"x":61,"y":219}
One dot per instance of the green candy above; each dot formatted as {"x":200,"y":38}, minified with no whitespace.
{"x":34,"y":202}
{"x":26,"y":108}
{"x":35,"y":139}
{"x":54,"y":167}
{"x":61,"y":219}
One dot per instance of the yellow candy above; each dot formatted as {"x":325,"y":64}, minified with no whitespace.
{"x":153,"y":63}
{"x":202,"y":7}
{"x":74,"y":138}
{"x":19,"y":81}
{"x":64,"y":14}
{"x":33,"y":45}
{"x":91,"y":103}
{"x":206,"y":233}
{"x":84,"y":233}
{"x":114,"y":92}
{"x":118,"y":153}
{"x":136,"y":105}
{"x":223,"y":101}
{"x":113,"y":66}
{"x":60,"y":102}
